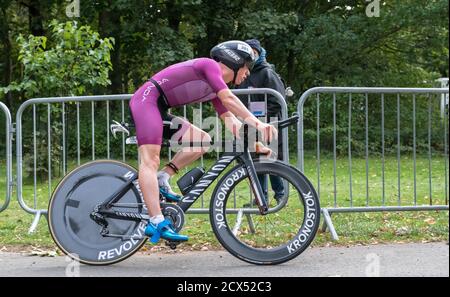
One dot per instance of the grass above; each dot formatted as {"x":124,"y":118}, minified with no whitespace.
{"x":357,"y":228}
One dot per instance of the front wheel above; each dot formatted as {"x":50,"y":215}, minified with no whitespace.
{"x":279,"y":236}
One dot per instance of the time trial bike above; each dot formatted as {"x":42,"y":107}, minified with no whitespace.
{"x":97,"y":216}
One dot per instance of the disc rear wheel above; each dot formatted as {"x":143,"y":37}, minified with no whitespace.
{"x":73,"y":201}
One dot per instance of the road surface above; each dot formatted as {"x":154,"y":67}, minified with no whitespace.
{"x":413,"y":259}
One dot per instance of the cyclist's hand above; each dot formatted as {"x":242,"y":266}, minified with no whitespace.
{"x":269,"y":132}
{"x":262,"y":149}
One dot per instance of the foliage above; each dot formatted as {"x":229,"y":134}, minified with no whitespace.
{"x":76,"y":59}
{"x":73,"y":60}
{"x":312,"y":43}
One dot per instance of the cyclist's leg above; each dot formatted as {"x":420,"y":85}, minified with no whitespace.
{"x":187,"y":133}
{"x":149,"y":132}
{"x":179,"y":130}
{"x":158,"y":225}
{"x":149,"y":155}
{"x":172,"y":132}
{"x":182,"y":158}
{"x":187,"y":155}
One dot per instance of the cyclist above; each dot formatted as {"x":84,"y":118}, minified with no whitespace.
{"x":192,"y":81}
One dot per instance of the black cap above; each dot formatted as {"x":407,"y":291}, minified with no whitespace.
{"x":254,"y":43}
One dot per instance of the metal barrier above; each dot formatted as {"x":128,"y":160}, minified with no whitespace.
{"x":36,"y":133}
{"x":349,"y":204}
{"x":58,"y":113}
{"x":8,"y":147}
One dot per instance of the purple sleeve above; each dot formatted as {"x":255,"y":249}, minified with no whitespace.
{"x":213,"y":74}
{"x":219,"y":106}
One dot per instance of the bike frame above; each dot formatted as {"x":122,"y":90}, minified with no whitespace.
{"x":242,"y":156}
{"x":197,"y":190}
{"x":211,"y":175}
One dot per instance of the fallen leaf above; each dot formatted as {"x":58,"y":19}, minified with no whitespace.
{"x":430,"y":221}
{"x":43,"y":253}
{"x":401,"y":231}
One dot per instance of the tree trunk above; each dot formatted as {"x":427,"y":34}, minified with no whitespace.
{"x":290,"y":67}
{"x":8,"y":68}
{"x":173,"y":15}
{"x":7,"y":56}
{"x":35,"y":18}
{"x":116,"y":74}
{"x":204,"y":45}
{"x":109,"y":26}
{"x":125,"y":71}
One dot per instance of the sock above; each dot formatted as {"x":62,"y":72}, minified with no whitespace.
{"x":157,"y":219}
{"x":163,"y":177}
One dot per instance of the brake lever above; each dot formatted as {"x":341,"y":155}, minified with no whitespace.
{"x":118,"y":127}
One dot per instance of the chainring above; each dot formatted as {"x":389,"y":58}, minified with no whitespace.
{"x":175,"y":214}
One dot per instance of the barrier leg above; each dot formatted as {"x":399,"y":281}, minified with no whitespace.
{"x":37,"y":217}
{"x":237,"y":226}
{"x":329,"y":223}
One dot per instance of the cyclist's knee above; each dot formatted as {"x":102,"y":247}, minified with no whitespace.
{"x":151,"y":162}
{"x":150,"y":157}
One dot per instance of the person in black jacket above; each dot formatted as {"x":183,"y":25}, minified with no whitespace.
{"x":263,"y":75}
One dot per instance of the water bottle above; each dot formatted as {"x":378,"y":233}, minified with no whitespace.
{"x":186,"y":182}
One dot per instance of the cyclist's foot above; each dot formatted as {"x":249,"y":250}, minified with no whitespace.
{"x":164,"y":187}
{"x":163,"y":230}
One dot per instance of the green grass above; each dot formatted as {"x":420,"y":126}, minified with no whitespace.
{"x":358,"y":228}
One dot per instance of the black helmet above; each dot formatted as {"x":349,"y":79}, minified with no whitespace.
{"x":234,"y":54}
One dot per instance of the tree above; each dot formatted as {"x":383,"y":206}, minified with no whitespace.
{"x":77,"y":59}
{"x":7,"y":47}
{"x":311,"y":43}
{"x":72,"y":62}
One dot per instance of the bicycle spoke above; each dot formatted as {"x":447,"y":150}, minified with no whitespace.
{"x":271,"y":228}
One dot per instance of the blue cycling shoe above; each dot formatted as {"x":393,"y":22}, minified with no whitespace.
{"x":163,"y":230}
{"x":169,"y":196}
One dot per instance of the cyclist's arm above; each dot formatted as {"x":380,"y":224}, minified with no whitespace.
{"x":231,"y":122}
{"x":237,"y":108}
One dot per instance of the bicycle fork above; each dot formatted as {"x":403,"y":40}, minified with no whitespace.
{"x":255,"y":184}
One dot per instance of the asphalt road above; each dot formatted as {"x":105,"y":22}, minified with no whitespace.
{"x":429,"y":259}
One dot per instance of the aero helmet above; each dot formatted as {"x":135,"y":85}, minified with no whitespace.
{"x":234,"y":54}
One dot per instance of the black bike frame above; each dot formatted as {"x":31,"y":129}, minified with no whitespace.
{"x":243,"y":157}
{"x":211,"y":175}
{"x":197,"y":190}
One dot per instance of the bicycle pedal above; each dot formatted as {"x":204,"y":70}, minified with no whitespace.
{"x":172,"y":244}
